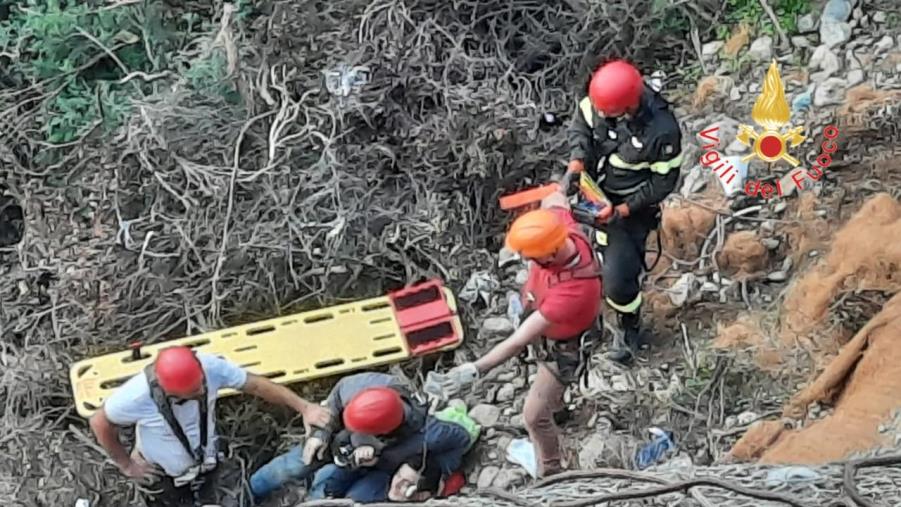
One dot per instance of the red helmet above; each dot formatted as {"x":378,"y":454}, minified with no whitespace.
{"x":178,"y":371}
{"x":374,"y":411}
{"x":615,"y":88}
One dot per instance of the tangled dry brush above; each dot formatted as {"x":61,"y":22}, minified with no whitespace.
{"x":203,"y":212}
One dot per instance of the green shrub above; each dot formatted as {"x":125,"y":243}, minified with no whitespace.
{"x":752,"y":13}
{"x":78,"y":51}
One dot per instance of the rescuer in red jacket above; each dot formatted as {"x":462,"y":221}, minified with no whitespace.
{"x":563,"y":301}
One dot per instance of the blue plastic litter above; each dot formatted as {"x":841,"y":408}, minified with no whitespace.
{"x":837,"y":10}
{"x":514,"y":308}
{"x":657,"y":450}
{"x":801,"y":101}
{"x":522,"y":452}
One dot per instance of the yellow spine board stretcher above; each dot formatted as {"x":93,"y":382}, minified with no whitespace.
{"x":415,"y":321}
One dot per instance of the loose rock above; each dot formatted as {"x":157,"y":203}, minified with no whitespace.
{"x":780,"y":207}
{"x":486,"y":415}
{"x":495,"y":327}
{"x":619,"y":383}
{"x":710,"y":287}
{"x":777,"y":276}
{"x":787,"y":264}
{"x":736,"y":147}
{"x":834,"y":33}
{"x":508,"y":478}
{"x":746,"y":418}
{"x":762,"y":48}
{"x":830,"y":92}
{"x":694,"y":181}
{"x":806,"y":23}
{"x":800,"y":41}
{"x":487,"y":476}
{"x":770,"y":243}
{"x":855,"y":77}
{"x":879,"y":17}
{"x":592,"y":450}
{"x":825,"y":59}
{"x":712,"y":48}
{"x":722,"y":128}
{"x":885,"y":44}
{"x":506,"y":258}
{"x":787,"y":184}
{"x":522,"y":276}
{"x":506,"y":393}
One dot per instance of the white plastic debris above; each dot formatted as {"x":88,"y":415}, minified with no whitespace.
{"x":522,"y":452}
{"x":656,"y":81}
{"x":682,"y":289}
{"x":733,"y":183}
{"x":479,"y":285}
{"x":514,"y":308}
{"x":344,"y":79}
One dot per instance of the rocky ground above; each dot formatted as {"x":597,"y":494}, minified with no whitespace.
{"x":742,"y":257}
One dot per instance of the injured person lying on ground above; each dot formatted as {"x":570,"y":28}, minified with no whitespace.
{"x":380,"y":444}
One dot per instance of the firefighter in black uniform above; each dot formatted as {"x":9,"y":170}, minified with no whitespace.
{"x":627,"y":139}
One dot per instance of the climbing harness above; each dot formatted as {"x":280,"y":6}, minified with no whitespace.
{"x":202,"y":464}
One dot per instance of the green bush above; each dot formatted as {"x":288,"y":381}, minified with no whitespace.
{"x":752,"y":13}
{"x":78,"y":51}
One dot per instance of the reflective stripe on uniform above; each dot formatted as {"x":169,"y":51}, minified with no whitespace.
{"x":662,"y":167}
{"x":627,"y":308}
{"x":600,"y":238}
{"x":585,"y":107}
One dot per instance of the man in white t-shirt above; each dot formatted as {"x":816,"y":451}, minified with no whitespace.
{"x":165,"y":404}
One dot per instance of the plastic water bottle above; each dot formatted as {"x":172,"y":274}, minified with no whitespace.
{"x":514,"y":308}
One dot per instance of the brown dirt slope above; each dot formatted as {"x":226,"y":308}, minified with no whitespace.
{"x":863,"y":255}
{"x":863,"y":382}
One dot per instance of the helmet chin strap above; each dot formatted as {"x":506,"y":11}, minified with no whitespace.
{"x":569,"y":260}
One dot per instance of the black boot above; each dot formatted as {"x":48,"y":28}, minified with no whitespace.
{"x":626,"y":351}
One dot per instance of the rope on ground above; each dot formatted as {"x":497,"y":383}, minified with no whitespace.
{"x":684,"y":486}
{"x":344,"y":502}
{"x":851,"y":468}
{"x":666,"y":487}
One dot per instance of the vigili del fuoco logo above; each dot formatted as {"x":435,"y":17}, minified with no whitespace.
{"x":771,"y":113}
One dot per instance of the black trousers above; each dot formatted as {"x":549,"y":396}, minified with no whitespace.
{"x":222,"y":486}
{"x":624,"y":258}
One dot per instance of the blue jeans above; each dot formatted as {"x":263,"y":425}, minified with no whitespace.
{"x":446,"y":442}
{"x":278,"y":472}
{"x":363,"y":485}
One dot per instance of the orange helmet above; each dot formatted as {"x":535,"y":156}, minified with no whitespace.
{"x":615,"y":88}
{"x":538,"y":233}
